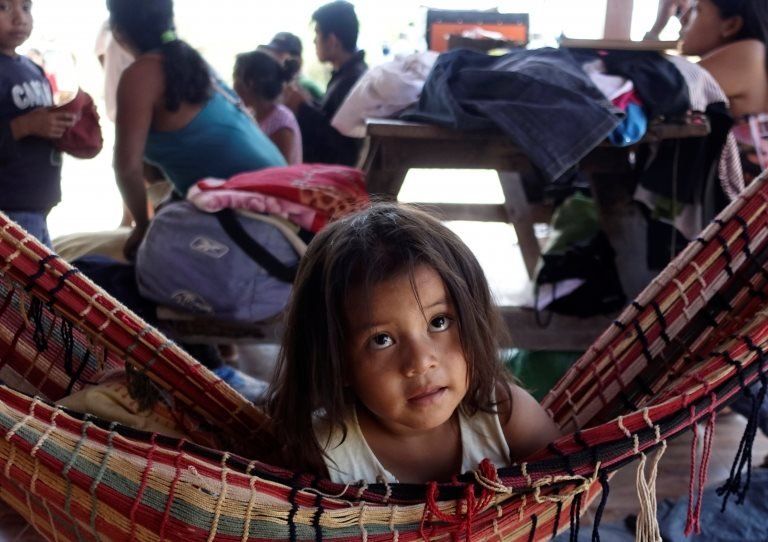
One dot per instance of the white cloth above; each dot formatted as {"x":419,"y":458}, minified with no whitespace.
{"x":116,"y":59}
{"x":612,"y":86}
{"x":383,"y":91}
{"x":353,"y":460}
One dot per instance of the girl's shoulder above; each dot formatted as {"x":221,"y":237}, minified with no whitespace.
{"x":739,"y":54}
{"x":280,"y":117}
{"x":146,"y":65}
{"x":526,"y":425}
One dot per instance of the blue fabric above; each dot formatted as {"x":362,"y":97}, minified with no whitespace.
{"x":739,"y":523}
{"x":541,"y":99}
{"x":35,"y":223}
{"x":747,"y":521}
{"x":632,"y":128}
{"x":221,"y":141}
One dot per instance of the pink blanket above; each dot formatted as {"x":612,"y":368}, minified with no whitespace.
{"x":310,"y":195}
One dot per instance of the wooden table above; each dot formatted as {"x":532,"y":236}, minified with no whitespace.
{"x":393,"y":147}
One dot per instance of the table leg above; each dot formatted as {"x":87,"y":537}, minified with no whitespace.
{"x":385,"y":183}
{"x":521,"y":217}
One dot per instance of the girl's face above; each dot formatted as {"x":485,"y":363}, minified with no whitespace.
{"x":243,"y":91}
{"x":15,"y":24}
{"x":405,"y":361}
{"x":705,"y":30}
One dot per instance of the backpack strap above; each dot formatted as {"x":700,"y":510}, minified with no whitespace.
{"x":231,"y":225}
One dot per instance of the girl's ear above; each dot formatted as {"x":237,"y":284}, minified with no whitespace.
{"x":731,"y":26}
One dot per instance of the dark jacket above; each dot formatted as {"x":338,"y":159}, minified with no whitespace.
{"x":322,"y":142}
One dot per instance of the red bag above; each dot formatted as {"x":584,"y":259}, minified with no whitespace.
{"x":83,"y":140}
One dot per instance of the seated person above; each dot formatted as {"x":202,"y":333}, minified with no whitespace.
{"x":286,"y":46}
{"x":336,"y":29}
{"x":259,"y":81}
{"x":406,"y":356}
{"x":730,"y":37}
{"x":172,"y":113}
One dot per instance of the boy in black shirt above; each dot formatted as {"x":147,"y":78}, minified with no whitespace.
{"x":336,"y":29}
{"x":30,"y":166}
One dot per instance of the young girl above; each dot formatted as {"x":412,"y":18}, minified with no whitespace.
{"x":730,"y":36}
{"x":390,"y":366}
{"x":259,"y":80}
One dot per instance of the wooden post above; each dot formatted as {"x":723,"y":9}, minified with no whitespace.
{"x":618,"y":20}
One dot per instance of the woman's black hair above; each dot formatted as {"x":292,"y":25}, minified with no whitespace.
{"x":350,"y":256}
{"x":149,"y":26}
{"x":263,"y":74}
{"x":754,"y":14}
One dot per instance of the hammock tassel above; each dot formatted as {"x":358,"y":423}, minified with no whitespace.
{"x":693,"y":521}
{"x":743,"y":459}
{"x":39,"y":335}
{"x":647,"y":529}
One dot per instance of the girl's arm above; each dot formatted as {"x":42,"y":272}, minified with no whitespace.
{"x":141,"y":87}
{"x":283,"y":140}
{"x":528,"y":428}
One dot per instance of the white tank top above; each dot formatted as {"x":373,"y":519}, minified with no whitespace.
{"x":353,"y":460}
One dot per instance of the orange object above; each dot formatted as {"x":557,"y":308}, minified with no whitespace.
{"x":441,"y":24}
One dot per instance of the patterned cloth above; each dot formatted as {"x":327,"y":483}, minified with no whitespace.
{"x":752,"y":138}
{"x":307,"y":195}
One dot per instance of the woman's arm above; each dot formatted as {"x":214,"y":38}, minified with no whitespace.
{"x":529,"y":427}
{"x":283,"y":140}
{"x":141,"y":87}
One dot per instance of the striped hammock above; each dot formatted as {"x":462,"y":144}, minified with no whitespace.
{"x":694,"y":338}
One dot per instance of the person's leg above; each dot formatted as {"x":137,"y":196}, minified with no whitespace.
{"x":249,"y":387}
{"x":35,"y":223}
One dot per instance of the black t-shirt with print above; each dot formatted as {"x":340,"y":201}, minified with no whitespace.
{"x":30,"y":168}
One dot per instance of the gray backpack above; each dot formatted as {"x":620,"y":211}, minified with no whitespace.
{"x":225,"y":265}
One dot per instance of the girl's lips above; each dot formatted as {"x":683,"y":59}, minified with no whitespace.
{"x":427,"y":396}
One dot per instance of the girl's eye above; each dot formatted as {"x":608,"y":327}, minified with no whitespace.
{"x":440,"y":323}
{"x":380,"y":341}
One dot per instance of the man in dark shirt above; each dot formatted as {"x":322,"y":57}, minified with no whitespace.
{"x":336,"y":29}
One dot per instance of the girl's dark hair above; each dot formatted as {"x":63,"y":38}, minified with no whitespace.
{"x":754,"y":14}
{"x":149,"y":25}
{"x":351,"y":255}
{"x":263,"y":73}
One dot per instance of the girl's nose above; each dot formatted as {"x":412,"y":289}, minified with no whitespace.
{"x":420,"y":357}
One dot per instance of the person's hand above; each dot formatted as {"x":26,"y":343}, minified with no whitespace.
{"x":667,"y":10}
{"x":132,"y":243}
{"x":43,"y":122}
{"x":294,"y":96}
